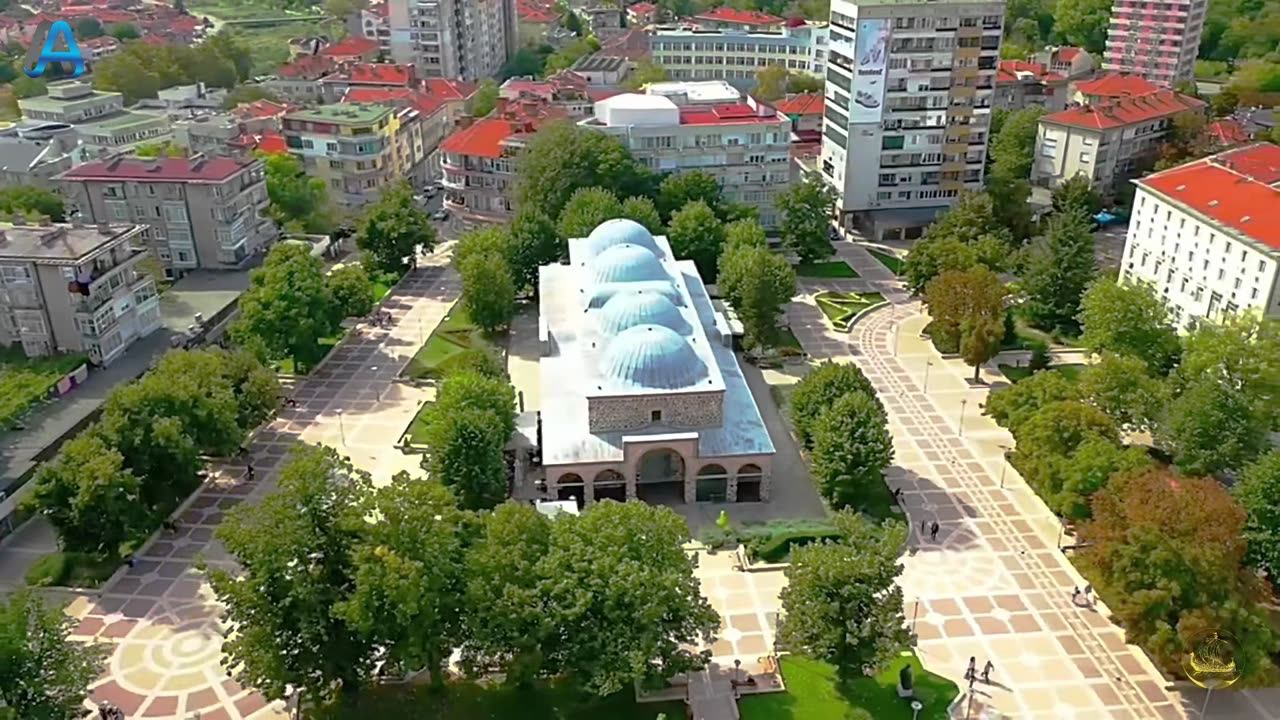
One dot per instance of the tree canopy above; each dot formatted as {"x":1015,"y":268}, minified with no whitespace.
{"x":758,"y":283}
{"x":297,"y":200}
{"x":1128,"y":320}
{"x":697,"y":234}
{"x":852,"y":447}
{"x":44,"y":675}
{"x":1057,"y":268}
{"x":393,"y":228}
{"x":806,"y":208}
{"x":288,"y":306}
{"x":562,"y":157}
{"x":819,"y":390}
{"x":680,"y":189}
{"x":587,"y":208}
{"x":968,"y":305}
{"x":32,"y":201}
{"x":1258,"y":492}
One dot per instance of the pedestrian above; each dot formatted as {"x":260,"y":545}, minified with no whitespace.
{"x":986,"y":672}
{"x":289,"y":401}
{"x":972,"y":670}
{"x":924,"y":526}
{"x":248,"y":471}
{"x":897,"y":494}
{"x":170,"y":525}
{"x":1075,"y":596}
{"x":1088,"y":594}
{"x":933,"y":531}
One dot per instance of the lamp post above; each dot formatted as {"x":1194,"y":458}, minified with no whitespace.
{"x":963,"y":403}
{"x":927,"y":364}
{"x":1004,"y":454}
{"x":374,"y":370}
{"x":342,"y":430}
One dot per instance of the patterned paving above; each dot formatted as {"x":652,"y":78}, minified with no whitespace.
{"x":160,"y":618}
{"x":993,"y":585}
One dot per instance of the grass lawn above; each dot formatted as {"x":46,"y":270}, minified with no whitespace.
{"x":830,"y":269}
{"x":418,"y":426}
{"x":1018,"y":374}
{"x":471,"y":701}
{"x":25,"y":382}
{"x":269,"y":46}
{"x":454,"y":335}
{"x":788,"y":343}
{"x":1027,"y":334}
{"x":892,"y":262}
{"x":71,"y":569}
{"x":237,"y":9}
{"x":286,"y":366}
{"x":814,"y":693}
{"x":841,"y":307}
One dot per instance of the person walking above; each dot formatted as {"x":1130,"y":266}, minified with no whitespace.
{"x":933,"y":531}
{"x":1088,"y":594}
{"x":986,"y":672}
{"x":1075,"y":596}
{"x":248,"y":470}
{"x":972,"y":670}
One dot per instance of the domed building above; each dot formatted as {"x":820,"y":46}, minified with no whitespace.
{"x":642,"y":395}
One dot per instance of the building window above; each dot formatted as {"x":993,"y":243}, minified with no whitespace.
{"x":655,"y":416}
{"x":1049,"y":148}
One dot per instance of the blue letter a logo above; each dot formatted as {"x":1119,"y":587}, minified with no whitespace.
{"x":46,"y":38}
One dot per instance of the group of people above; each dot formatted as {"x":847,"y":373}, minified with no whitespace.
{"x":971,"y":674}
{"x":931,"y":528}
{"x":1087,"y":595}
{"x":108,"y":711}
{"x":381,"y":318}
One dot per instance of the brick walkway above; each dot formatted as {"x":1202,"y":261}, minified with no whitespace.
{"x":994,"y":585}
{"x":160,"y":618}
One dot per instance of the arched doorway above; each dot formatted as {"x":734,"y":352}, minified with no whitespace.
{"x":609,"y":485}
{"x":660,"y":477}
{"x":570,"y":486}
{"x":750,"y":479}
{"x":713,"y":483}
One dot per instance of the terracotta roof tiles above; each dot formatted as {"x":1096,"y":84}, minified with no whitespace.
{"x":1125,"y":111}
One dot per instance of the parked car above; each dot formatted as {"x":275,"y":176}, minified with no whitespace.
{"x":1109,"y":217}
{"x":440,"y":215}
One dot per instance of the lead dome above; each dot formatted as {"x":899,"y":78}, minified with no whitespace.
{"x":630,"y":308}
{"x":652,"y":356}
{"x":620,"y":231}
{"x":627,"y":263}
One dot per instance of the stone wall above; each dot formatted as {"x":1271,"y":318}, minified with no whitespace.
{"x":635,"y":412}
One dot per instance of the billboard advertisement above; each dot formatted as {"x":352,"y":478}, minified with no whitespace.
{"x":871,"y":65}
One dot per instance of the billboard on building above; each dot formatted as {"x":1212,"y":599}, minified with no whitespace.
{"x":871,"y":64}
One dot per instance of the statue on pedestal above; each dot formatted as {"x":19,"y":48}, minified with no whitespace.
{"x":904,"y":682}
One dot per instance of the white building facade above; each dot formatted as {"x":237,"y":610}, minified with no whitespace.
{"x":1206,"y":235}
{"x":461,"y":39}
{"x":708,"y":126}
{"x":909,"y":92}
{"x":736,"y":55}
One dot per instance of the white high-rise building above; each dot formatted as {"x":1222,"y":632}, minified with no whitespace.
{"x":457,"y":39}
{"x":909,"y":91}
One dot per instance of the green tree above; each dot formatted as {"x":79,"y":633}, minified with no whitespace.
{"x":1014,"y":405}
{"x":352,"y":289}
{"x":1010,"y":199}
{"x":393,"y":228}
{"x":646,"y":72}
{"x":803,"y":82}
{"x":89,"y":497}
{"x":44,"y":675}
{"x":296,"y":556}
{"x":697,"y":234}
{"x":1057,"y":269}
{"x":819,"y":390}
{"x":758,"y":284}
{"x":488,"y":291}
{"x":1128,"y":320}
{"x":155,"y":150}
{"x":587,"y":208}
{"x":642,"y":210}
{"x":1083,"y":22}
{"x":841,"y":602}
{"x":1122,"y":387}
{"x":25,"y":87}
{"x":1013,"y":148}
{"x":124,"y":31}
{"x":971,"y":220}
{"x":88,"y":28}
{"x":1240,"y":352}
{"x":234,"y":48}
{"x":1067,"y":451}
{"x":32,"y":200}
{"x":562,"y":158}
{"x":156,"y":449}
{"x":247,"y":94}
{"x":534,"y":243}
{"x":572,"y":22}
{"x":680,"y":189}
{"x":1224,"y":103}
{"x":487,"y":240}
{"x":1211,"y":428}
{"x":931,"y":257}
{"x":1077,"y":195}
{"x":409,"y":575}
{"x":493,"y":395}
{"x":851,"y":448}
{"x":806,"y":208}
{"x":295,"y":198}
{"x":1167,"y":555}
{"x":342,"y":9}
{"x":288,"y":306}
{"x":968,"y":234}
{"x":1258,"y":492}
{"x":968,"y":305}
{"x":771,"y":83}
{"x":744,"y":233}
{"x":466,"y":455}
{"x":567,"y":55}
{"x":485,"y":99}
{"x":527,"y":62}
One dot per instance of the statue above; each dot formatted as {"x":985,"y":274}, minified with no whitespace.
{"x":904,"y":682}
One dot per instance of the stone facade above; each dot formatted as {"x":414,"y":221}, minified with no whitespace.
{"x":635,"y":412}
{"x":587,"y":477}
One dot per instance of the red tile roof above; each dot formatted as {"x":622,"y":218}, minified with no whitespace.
{"x":727,"y":114}
{"x":641,"y":8}
{"x":1125,"y":111}
{"x":1067,"y":54}
{"x":351,"y":47}
{"x":306,"y":67}
{"x":484,"y":138}
{"x":1226,"y":132}
{"x":742,"y":17}
{"x":536,"y":11}
{"x":211,"y":170}
{"x":260,"y":109}
{"x":1007,"y":71}
{"x":801,"y":104}
{"x":272,"y":144}
{"x":1239,"y":188}
{"x":1117,"y":85}
{"x":435,"y":93}
{"x":373,"y":74}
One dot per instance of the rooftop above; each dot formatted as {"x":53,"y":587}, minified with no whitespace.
{"x":435,"y":94}
{"x":60,"y":241}
{"x":1019,"y":70}
{"x":353,"y":46}
{"x":744,"y":17}
{"x":801,"y":104}
{"x":343,"y":114}
{"x":373,"y":74}
{"x":1116,"y":85}
{"x":122,"y":120}
{"x":484,"y":138}
{"x":260,"y":109}
{"x":701,"y":91}
{"x":1125,"y":111}
{"x":641,"y":8}
{"x":599,"y":63}
{"x":194,"y":170}
{"x":1238,"y":189}
{"x":1226,"y":132}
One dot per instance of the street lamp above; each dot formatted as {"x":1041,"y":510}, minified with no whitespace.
{"x":963,"y":403}
{"x":342,"y":430}
{"x":927,"y":364}
{"x":1004,"y":454}
{"x":374,"y":369}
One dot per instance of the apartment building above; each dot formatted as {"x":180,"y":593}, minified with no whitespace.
{"x":909,"y":91}
{"x":101,"y":122}
{"x":737,"y":55}
{"x":197,"y":212}
{"x":727,"y":18}
{"x":33,"y":152}
{"x":1044,"y":80}
{"x":75,"y":288}
{"x":1108,"y":142}
{"x":466,"y":39}
{"x":1206,"y":235}
{"x":375,"y":24}
{"x":709,"y":126}
{"x":1156,"y":40}
{"x":357,"y":149}
{"x":440,"y":103}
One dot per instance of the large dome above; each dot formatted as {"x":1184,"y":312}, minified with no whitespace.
{"x":630,"y":308}
{"x":652,"y":356}
{"x":627,"y":263}
{"x":619,"y":231}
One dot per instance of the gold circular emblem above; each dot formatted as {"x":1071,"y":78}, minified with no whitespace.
{"x":1211,"y":664}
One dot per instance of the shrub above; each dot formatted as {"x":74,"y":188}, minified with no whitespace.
{"x":715,"y":537}
{"x":778,"y":547}
{"x":70,"y":569}
{"x":477,"y":361}
{"x":1039,"y":355}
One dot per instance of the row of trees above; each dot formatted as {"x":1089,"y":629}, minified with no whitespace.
{"x":32,"y":202}
{"x":43,"y":674}
{"x":843,"y":426}
{"x":141,"y":70}
{"x":400,"y":574}
{"x":467,"y":429}
{"x":117,"y":480}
